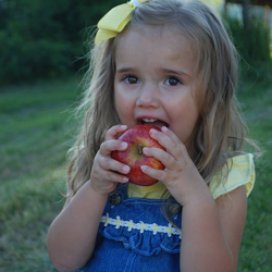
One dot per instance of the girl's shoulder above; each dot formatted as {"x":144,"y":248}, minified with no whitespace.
{"x":237,"y":171}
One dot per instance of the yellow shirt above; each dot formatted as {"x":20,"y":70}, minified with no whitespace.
{"x":238,"y":171}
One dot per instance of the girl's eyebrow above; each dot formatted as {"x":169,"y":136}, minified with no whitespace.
{"x":176,"y":72}
{"x":125,"y":69}
{"x":128,"y":69}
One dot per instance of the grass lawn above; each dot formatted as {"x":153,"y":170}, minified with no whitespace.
{"x":37,"y":128}
{"x":256,"y":252}
{"x":36,"y":131}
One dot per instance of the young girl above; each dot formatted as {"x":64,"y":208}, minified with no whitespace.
{"x":169,"y":63}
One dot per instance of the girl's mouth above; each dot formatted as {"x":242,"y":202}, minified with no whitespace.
{"x":152,"y":121}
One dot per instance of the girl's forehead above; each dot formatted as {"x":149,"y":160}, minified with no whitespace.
{"x":168,"y":35}
{"x":159,"y":30}
{"x":155,"y":42}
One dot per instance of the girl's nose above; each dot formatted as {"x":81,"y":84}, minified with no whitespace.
{"x":148,"y":97}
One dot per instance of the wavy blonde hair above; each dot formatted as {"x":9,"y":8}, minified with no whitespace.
{"x":220,"y":131}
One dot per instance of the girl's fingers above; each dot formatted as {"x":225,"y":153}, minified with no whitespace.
{"x":114,"y":131}
{"x":170,"y":141}
{"x":106,"y":163}
{"x":154,"y":173}
{"x":107,"y":170}
{"x":170,"y":133}
{"x":110,"y":145}
{"x":164,"y":157}
{"x":115,"y":177}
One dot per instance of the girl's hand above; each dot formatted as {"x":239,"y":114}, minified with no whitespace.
{"x":106,"y":172}
{"x":180,"y":175}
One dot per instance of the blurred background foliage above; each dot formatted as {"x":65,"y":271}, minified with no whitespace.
{"x":251,"y":33}
{"x":49,"y":39}
{"x":45,"y":39}
{"x":253,"y":44}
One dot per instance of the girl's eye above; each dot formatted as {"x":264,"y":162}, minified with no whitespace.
{"x":172,"y":81}
{"x":130,"y":79}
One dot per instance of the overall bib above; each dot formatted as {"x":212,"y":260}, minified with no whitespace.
{"x":135,"y":236}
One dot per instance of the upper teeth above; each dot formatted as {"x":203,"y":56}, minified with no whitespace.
{"x":149,"y":120}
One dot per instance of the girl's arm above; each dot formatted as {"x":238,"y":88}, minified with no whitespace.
{"x":72,"y":235}
{"x":211,"y":230}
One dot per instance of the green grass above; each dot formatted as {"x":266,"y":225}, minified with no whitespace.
{"x":256,"y":251}
{"x":37,"y":129}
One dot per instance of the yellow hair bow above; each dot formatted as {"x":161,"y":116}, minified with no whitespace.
{"x":113,"y":22}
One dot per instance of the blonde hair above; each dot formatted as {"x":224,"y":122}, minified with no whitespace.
{"x":220,"y":130}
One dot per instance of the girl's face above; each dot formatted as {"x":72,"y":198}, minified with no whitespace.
{"x":154,"y":80}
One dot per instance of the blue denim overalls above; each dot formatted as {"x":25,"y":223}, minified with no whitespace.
{"x":135,"y":236}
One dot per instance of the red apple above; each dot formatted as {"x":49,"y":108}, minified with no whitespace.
{"x":137,"y":138}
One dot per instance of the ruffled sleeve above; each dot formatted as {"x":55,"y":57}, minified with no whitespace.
{"x":238,"y":171}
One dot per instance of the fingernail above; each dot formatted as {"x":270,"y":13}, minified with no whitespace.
{"x":126,"y":169}
{"x":164,"y":129}
{"x":124,"y":145}
{"x":145,"y":150}
{"x":143,"y":167}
